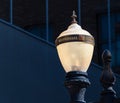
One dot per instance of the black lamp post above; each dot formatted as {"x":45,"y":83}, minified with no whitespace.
{"x":76,"y":83}
{"x":75,"y":49}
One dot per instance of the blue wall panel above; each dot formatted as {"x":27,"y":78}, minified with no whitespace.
{"x":30,"y":71}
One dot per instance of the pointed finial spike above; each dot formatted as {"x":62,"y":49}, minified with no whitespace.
{"x":74,"y":16}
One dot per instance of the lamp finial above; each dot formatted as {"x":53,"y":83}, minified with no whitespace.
{"x":74,"y":16}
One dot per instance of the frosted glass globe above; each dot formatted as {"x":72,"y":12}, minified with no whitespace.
{"x":75,"y":48}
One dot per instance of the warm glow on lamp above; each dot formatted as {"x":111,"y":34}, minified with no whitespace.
{"x":75,"y":48}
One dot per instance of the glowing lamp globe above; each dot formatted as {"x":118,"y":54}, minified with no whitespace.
{"x":75,"y":48}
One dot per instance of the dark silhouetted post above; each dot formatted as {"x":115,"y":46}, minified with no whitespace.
{"x":107,"y":79}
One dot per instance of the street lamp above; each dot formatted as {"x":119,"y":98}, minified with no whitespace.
{"x":75,"y":49}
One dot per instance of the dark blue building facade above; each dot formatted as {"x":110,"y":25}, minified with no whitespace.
{"x":30,"y":70}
